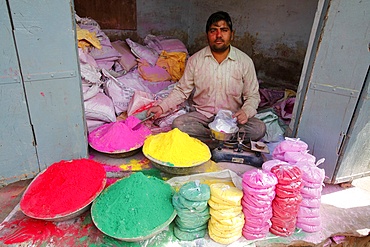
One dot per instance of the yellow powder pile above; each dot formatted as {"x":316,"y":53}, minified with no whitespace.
{"x":176,"y":148}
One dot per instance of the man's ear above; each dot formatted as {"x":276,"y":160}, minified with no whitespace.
{"x":232,"y":35}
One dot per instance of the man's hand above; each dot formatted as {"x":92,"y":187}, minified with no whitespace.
{"x":156,"y":110}
{"x":241,"y":117}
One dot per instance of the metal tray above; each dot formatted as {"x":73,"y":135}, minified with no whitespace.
{"x":154,"y":232}
{"x":68,"y":215}
{"x":120,"y":153}
{"x":175,"y":170}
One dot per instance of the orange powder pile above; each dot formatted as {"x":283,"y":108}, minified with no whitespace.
{"x":118,"y":136}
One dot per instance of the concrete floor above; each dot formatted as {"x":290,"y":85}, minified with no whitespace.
{"x":10,"y":196}
{"x":344,"y":209}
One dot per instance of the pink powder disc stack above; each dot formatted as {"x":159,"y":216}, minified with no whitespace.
{"x":258,"y":193}
{"x":292,"y":150}
{"x":308,"y":218}
{"x":288,"y":197}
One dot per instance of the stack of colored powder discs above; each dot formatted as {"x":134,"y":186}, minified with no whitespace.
{"x":288,"y":197}
{"x":192,"y":211}
{"x":259,"y":191}
{"x":227,"y":220}
{"x":308,"y":218}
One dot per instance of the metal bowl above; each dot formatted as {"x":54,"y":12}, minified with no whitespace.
{"x":64,"y":216}
{"x":154,"y":232}
{"x":120,"y":153}
{"x":222,"y":136}
{"x":175,"y":170}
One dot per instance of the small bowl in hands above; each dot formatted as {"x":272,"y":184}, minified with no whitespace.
{"x":221,"y":135}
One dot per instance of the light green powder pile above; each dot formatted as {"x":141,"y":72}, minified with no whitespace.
{"x":133,"y":207}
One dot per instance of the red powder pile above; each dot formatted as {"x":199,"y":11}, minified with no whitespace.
{"x":63,"y":188}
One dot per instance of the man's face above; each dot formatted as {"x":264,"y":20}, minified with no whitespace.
{"x":219,"y":36}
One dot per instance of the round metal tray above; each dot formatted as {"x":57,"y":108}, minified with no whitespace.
{"x":154,"y":232}
{"x":120,"y":153}
{"x":69,"y":215}
{"x":175,"y":170}
{"x":121,"y":235}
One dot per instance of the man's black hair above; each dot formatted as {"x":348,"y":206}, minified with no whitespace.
{"x":219,"y":16}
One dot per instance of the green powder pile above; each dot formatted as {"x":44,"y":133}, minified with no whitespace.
{"x":133,"y":207}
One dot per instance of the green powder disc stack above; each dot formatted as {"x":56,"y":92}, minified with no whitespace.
{"x":191,"y":204}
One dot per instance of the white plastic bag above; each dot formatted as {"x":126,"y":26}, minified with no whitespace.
{"x":224,"y":122}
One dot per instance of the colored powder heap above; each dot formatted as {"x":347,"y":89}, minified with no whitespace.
{"x":133,"y":207}
{"x":119,"y":136}
{"x":176,"y":148}
{"x":63,"y":188}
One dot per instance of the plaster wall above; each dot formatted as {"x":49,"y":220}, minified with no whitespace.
{"x":274,"y":33}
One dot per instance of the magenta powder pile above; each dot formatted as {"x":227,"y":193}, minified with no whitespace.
{"x":118,"y":136}
{"x":133,"y":207}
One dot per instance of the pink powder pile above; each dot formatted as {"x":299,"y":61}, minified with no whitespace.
{"x":118,"y":136}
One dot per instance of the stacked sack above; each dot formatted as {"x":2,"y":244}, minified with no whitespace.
{"x":227,"y":220}
{"x":308,"y":218}
{"x":287,"y":199}
{"x":191,"y":204}
{"x":258,"y":193}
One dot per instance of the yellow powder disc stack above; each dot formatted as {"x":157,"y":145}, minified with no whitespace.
{"x":227,"y":220}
